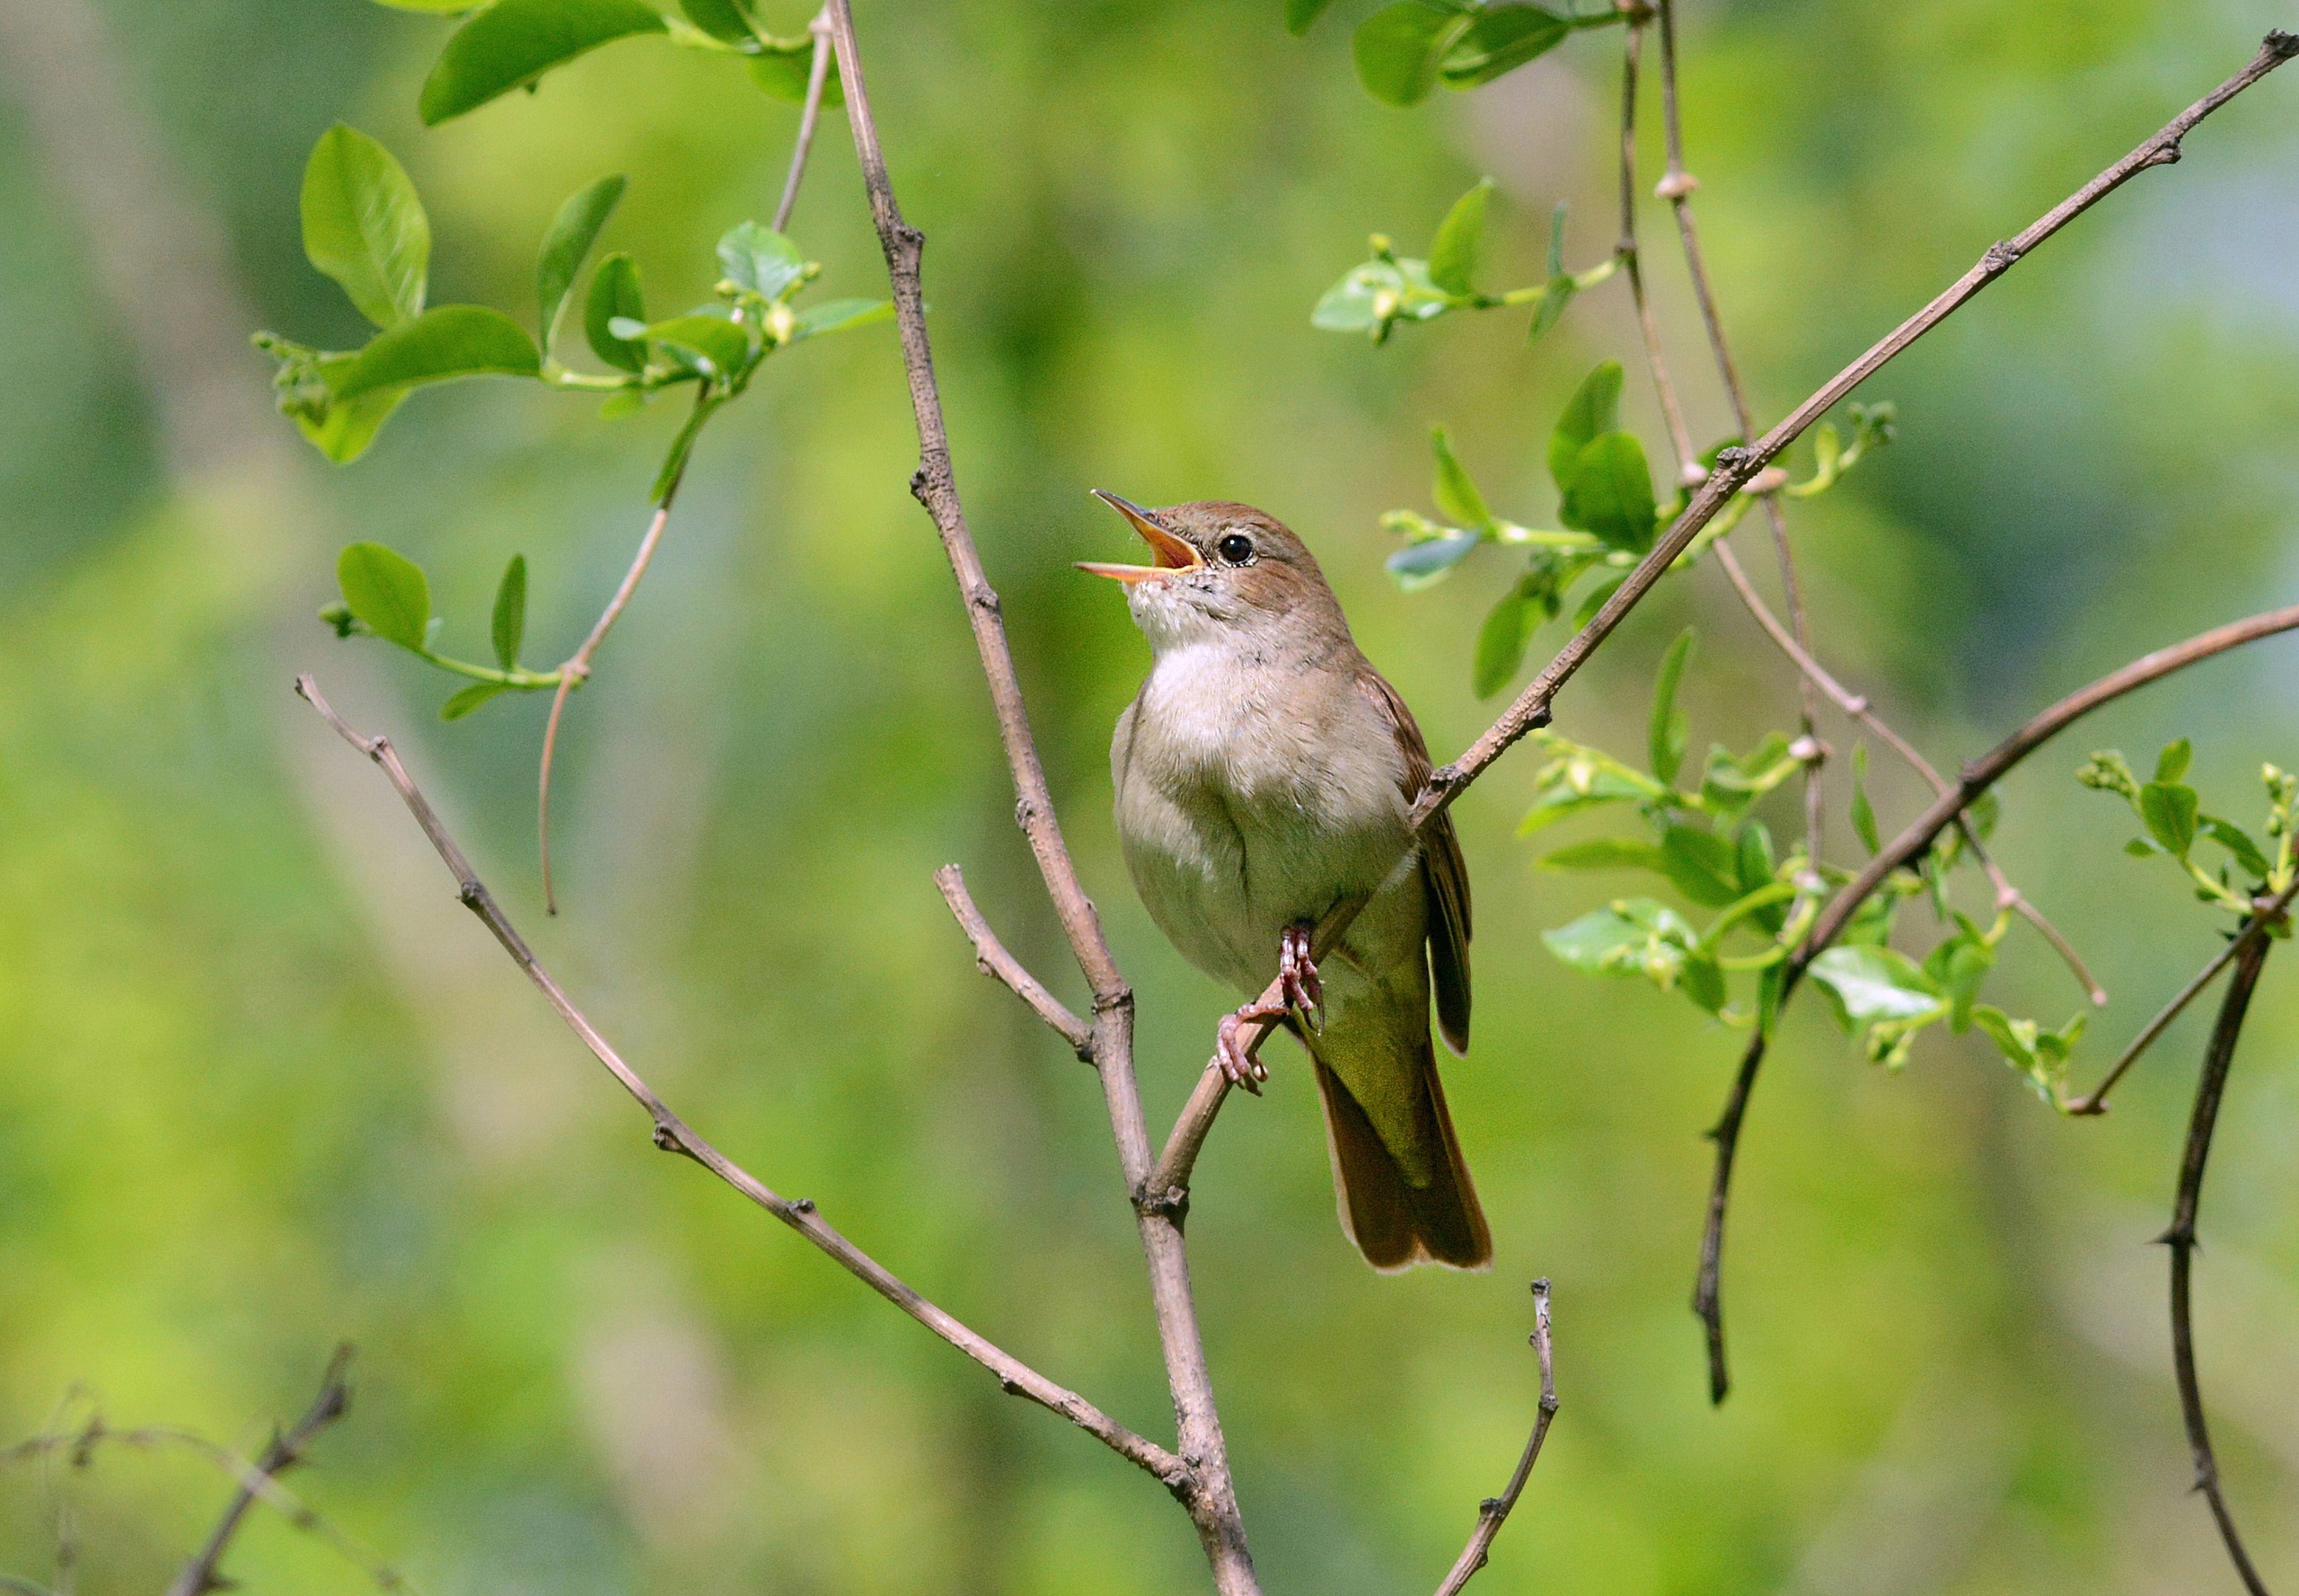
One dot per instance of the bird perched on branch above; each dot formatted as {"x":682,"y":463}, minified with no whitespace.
{"x":1265,"y":773}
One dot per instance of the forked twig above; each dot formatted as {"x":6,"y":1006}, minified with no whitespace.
{"x":2180,"y":1238}
{"x":1976,"y":778}
{"x":201,"y":1576}
{"x":673,"y":1134}
{"x":1493,"y":1511}
{"x":992,"y":957}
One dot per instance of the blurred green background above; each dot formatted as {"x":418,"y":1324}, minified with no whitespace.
{"x":265,"y":1085}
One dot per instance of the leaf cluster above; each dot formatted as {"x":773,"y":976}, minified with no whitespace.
{"x":1375,"y":298}
{"x":2170,"y":812}
{"x":1406,"y":49}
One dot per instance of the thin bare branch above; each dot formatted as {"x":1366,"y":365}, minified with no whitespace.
{"x":2269,"y":915}
{"x":673,"y":1134}
{"x":1690,"y":470}
{"x":1493,"y":1511}
{"x":2181,"y":1238}
{"x":817,"y":74}
{"x":1209,"y":1495}
{"x":201,"y":1575}
{"x":993,"y":960}
{"x":1976,"y":778}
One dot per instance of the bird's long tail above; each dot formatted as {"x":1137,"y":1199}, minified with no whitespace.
{"x":1394,"y":1222}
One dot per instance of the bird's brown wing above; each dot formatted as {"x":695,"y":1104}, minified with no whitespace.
{"x":1444,"y":874}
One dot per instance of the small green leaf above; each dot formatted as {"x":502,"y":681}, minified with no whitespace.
{"x":1452,"y":257}
{"x":2169,"y":808}
{"x":431,"y":5}
{"x":1604,"y":853}
{"x":1501,"y":640}
{"x":786,"y":65}
{"x":463,"y":703}
{"x":513,"y":42}
{"x":1882,"y":993}
{"x":1863,"y":814}
{"x":387,"y":592}
{"x":1299,"y":14}
{"x":1701,"y":865}
{"x":1417,"y":565}
{"x":1454,"y":492}
{"x":1500,"y":40}
{"x":1753,"y":851}
{"x":1666,"y":734}
{"x":1594,"y":411}
{"x":760,"y":259}
{"x":1958,"y":967}
{"x":836,"y":316}
{"x":1550,"y":308}
{"x":364,"y":225}
{"x":2040,"y":1054}
{"x":1400,"y":49}
{"x":2141,"y":847}
{"x":723,"y":20}
{"x":615,"y":296}
{"x":2174,"y":762}
{"x":1704,"y":982}
{"x":511,"y":613}
{"x":1611,"y":493}
{"x":2238,"y":842}
{"x":567,"y":246}
{"x":712,"y":340}
{"x":1631,"y":936}
{"x":441,"y":344}
{"x":348,"y":426}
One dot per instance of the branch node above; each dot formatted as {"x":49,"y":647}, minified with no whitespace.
{"x":1678,"y":185}
{"x":802,"y":1205}
{"x":2000,"y":257}
{"x":985,"y":599}
{"x":2282,"y":46}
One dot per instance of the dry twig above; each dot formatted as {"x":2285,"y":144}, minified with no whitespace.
{"x":992,"y":958}
{"x":1493,"y":1511}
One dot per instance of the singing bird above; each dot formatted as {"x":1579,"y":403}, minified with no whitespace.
{"x":1264,"y":777}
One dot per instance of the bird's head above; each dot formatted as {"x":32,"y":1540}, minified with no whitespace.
{"x":1221,"y":570}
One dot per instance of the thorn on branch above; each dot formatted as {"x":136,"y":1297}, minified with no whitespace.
{"x":2281,"y":45}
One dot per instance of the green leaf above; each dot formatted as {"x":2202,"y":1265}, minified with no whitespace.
{"x":1863,"y":814}
{"x":713,"y":340}
{"x":1299,"y":14}
{"x":761,"y":260}
{"x":1452,"y":256}
{"x":1701,"y":865}
{"x":1501,"y":640}
{"x":1666,"y":734}
{"x":1704,"y":982}
{"x":364,"y":225}
{"x":463,"y":703}
{"x":1611,"y":493}
{"x":1752,"y":850}
{"x":1417,"y":565}
{"x":453,"y":340}
{"x":2169,"y":808}
{"x":1883,"y":994}
{"x":1594,"y":411}
{"x":1550,"y":308}
{"x":431,"y":5}
{"x":2040,"y":1054}
{"x":1958,"y":967}
{"x":785,"y":66}
{"x":2141,"y":847}
{"x":567,"y":246}
{"x":387,"y":592}
{"x":348,"y":426}
{"x":511,"y":613}
{"x":2238,"y":842}
{"x":1400,"y":48}
{"x":836,"y":316}
{"x":615,"y":296}
{"x":1500,"y":40}
{"x":1454,"y":492}
{"x":513,"y":42}
{"x":723,"y":20}
{"x":1604,"y":853}
{"x":2174,"y":762}
{"x":1631,"y":936}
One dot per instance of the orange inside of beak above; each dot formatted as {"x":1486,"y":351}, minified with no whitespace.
{"x":1170,"y":553}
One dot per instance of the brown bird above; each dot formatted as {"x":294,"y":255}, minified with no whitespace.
{"x":1264,"y":774}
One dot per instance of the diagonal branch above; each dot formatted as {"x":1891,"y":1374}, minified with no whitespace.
{"x":2180,"y":1239}
{"x":1976,"y":778}
{"x":201,"y":1576}
{"x":1493,"y":1511}
{"x":817,"y":76}
{"x":673,"y":1135}
{"x":992,"y":957}
{"x":1167,"y":1185}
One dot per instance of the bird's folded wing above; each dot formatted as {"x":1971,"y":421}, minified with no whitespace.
{"x":1444,"y":873}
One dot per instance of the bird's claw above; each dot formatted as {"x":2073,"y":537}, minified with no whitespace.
{"x":1296,"y":978}
{"x":1233,"y":1048}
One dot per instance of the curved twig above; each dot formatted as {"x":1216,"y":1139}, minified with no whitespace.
{"x":817,"y":76}
{"x":1977,"y":778}
{"x":1493,"y":1511}
{"x":2180,"y":1239}
{"x":200,"y":1575}
{"x":673,"y":1134}
{"x":992,"y":959}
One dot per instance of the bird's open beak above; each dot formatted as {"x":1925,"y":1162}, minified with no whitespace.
{"x":1170,"y":552}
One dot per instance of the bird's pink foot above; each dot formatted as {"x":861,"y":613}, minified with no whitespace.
{"x":1297,"y":975}
{"x":1234,"y":1044}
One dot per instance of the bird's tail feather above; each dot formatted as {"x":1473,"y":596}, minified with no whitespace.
{"x":1395,"y":1223}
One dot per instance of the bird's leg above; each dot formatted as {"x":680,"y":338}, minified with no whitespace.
{"x":1233,"y":1046}
{"x":1296,"y":974}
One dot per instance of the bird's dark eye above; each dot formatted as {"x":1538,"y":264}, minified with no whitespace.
{"x":1236,"y":549}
